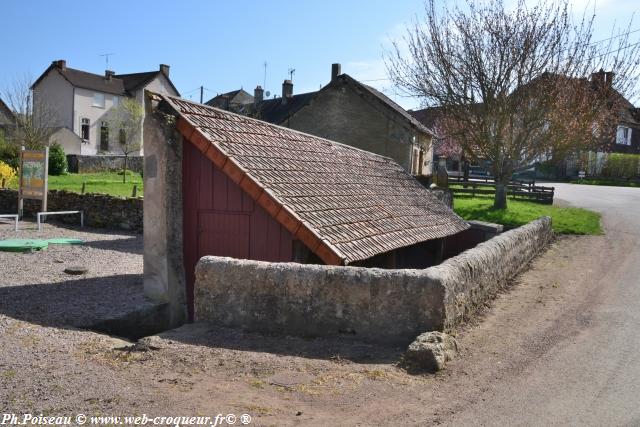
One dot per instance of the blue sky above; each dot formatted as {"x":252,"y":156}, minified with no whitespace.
{"x":221,"y":45}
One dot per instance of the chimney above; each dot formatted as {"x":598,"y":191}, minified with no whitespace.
{"x":287,"y":90}
{"x":61,"y":64}
{"x":336,"y":70}
{"x":164,"y":69}
{"x":598,"y":79}
{"x":258,"y":94}
{"x":608,"y":78}
{"x":108,"y":74}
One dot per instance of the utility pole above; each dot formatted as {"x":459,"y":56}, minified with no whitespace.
{"x":201,"y":93}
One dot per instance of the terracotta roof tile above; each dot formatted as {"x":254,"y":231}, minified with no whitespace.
{"x":355,"y":204}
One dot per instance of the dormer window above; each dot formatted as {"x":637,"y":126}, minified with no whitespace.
{"x":623,"y":135}
{"x":98,"y":100}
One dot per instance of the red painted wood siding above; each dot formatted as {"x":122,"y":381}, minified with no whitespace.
{"x":221,"y":219}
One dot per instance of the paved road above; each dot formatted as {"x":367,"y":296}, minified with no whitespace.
{"x":592,"y":377}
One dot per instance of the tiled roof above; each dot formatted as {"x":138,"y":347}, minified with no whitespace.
{"x":389,"y":103}
{"x":239,"y":96}
{"x":345,"y":204}
{"x":119,"y":84}
{"x":92,"y":81}
{"x":275,"y":111}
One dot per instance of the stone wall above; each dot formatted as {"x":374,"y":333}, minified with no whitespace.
{"x":100,"y":210}
{"x":103,"y":163}
{"x":385,"y":306}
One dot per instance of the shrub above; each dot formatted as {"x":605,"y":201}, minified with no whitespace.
{"x":621,"y":166}
{"x":9,"y":154}
{"x":57,"y":160}
{"x":7,"y":173}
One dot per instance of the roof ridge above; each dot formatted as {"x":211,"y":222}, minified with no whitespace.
{"x":262,"y":122}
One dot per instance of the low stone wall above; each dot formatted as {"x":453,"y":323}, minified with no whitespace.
{"x":474,"y":276}
{"x":103,"y":163}
{"x":385,"y":306}
{"x":100,"y":210}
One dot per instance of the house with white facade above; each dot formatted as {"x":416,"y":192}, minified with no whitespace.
{"x":78,"y":104}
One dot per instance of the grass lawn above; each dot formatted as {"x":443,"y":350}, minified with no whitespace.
{"x":604,"y":181}
{"x":565,"y":220}
{"x":101,"y":182}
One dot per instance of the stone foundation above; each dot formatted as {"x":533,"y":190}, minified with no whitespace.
{"x":384,"y":306}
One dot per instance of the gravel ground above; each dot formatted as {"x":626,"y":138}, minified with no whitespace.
{"x":35,"y":288}
{"x":203,"y":370}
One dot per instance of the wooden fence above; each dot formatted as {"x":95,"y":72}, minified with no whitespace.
{"x":484,"y":185}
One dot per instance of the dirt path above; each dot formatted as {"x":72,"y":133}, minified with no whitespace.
{"x":289,"y":381}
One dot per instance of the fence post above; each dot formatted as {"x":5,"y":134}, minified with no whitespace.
{"x":83,"y":187}
{"x":134,"y":193}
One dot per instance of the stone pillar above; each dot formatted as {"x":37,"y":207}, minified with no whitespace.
{"x":442,"y":177}
{"x":164,"y":279}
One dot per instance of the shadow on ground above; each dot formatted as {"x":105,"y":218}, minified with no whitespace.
{"x":131,"y":245}
{"x":337,"y":348}
{"x":76,"y":303}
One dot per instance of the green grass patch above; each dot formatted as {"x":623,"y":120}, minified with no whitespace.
{"x":100,"y":182}
{"x":605,"y":181}
{"x":565,"y":220}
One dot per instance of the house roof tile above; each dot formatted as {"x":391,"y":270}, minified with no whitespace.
{"x":350,"y":204}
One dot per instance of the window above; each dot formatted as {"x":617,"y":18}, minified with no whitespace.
{"x":98,"y":100}
{"x":104,"y":136}
{"x":122,"y":137}
{"x":623,"y":135}
{"x":115,"y":101}
{"x":84,"y":129}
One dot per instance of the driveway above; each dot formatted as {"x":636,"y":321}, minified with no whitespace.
{"x":592,"y":375}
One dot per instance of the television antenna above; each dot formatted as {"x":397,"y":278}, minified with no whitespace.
{"x":264,"y":80}
{"x":106,"y":57}
{"x":291,"y":72}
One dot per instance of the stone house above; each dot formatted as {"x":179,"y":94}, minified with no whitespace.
{"x":348,"y":111}
{"x":78,"y":103}
{"x":237,"y":100}
{"x":219,"y":183}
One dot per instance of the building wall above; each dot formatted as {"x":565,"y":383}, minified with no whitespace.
{"x":634,"y":148}
{"x":83,"y":108}
{"x":221,"y":219}
{"x":342,"y":115}
{"x":54,"y":94}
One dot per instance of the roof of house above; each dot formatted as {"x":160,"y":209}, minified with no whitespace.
{"x":134,"y":81}
{"x":275,"y":111}
{"x":119,"y":84}
{"x":239,"y":96}
{"x":427,"y":116}
{"x":343,"y":203}
{"x":6,"y":111}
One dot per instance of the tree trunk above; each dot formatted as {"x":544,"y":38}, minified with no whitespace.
{"x":500,"y":200}
{"x":124,"y":170}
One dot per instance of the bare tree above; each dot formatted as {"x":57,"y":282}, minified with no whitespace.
{"x":514,"y":83}
{"x":126,"y":120}
{"x":36,"y":118}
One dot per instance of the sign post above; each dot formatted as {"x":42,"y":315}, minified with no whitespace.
{"x":34,"y":171}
